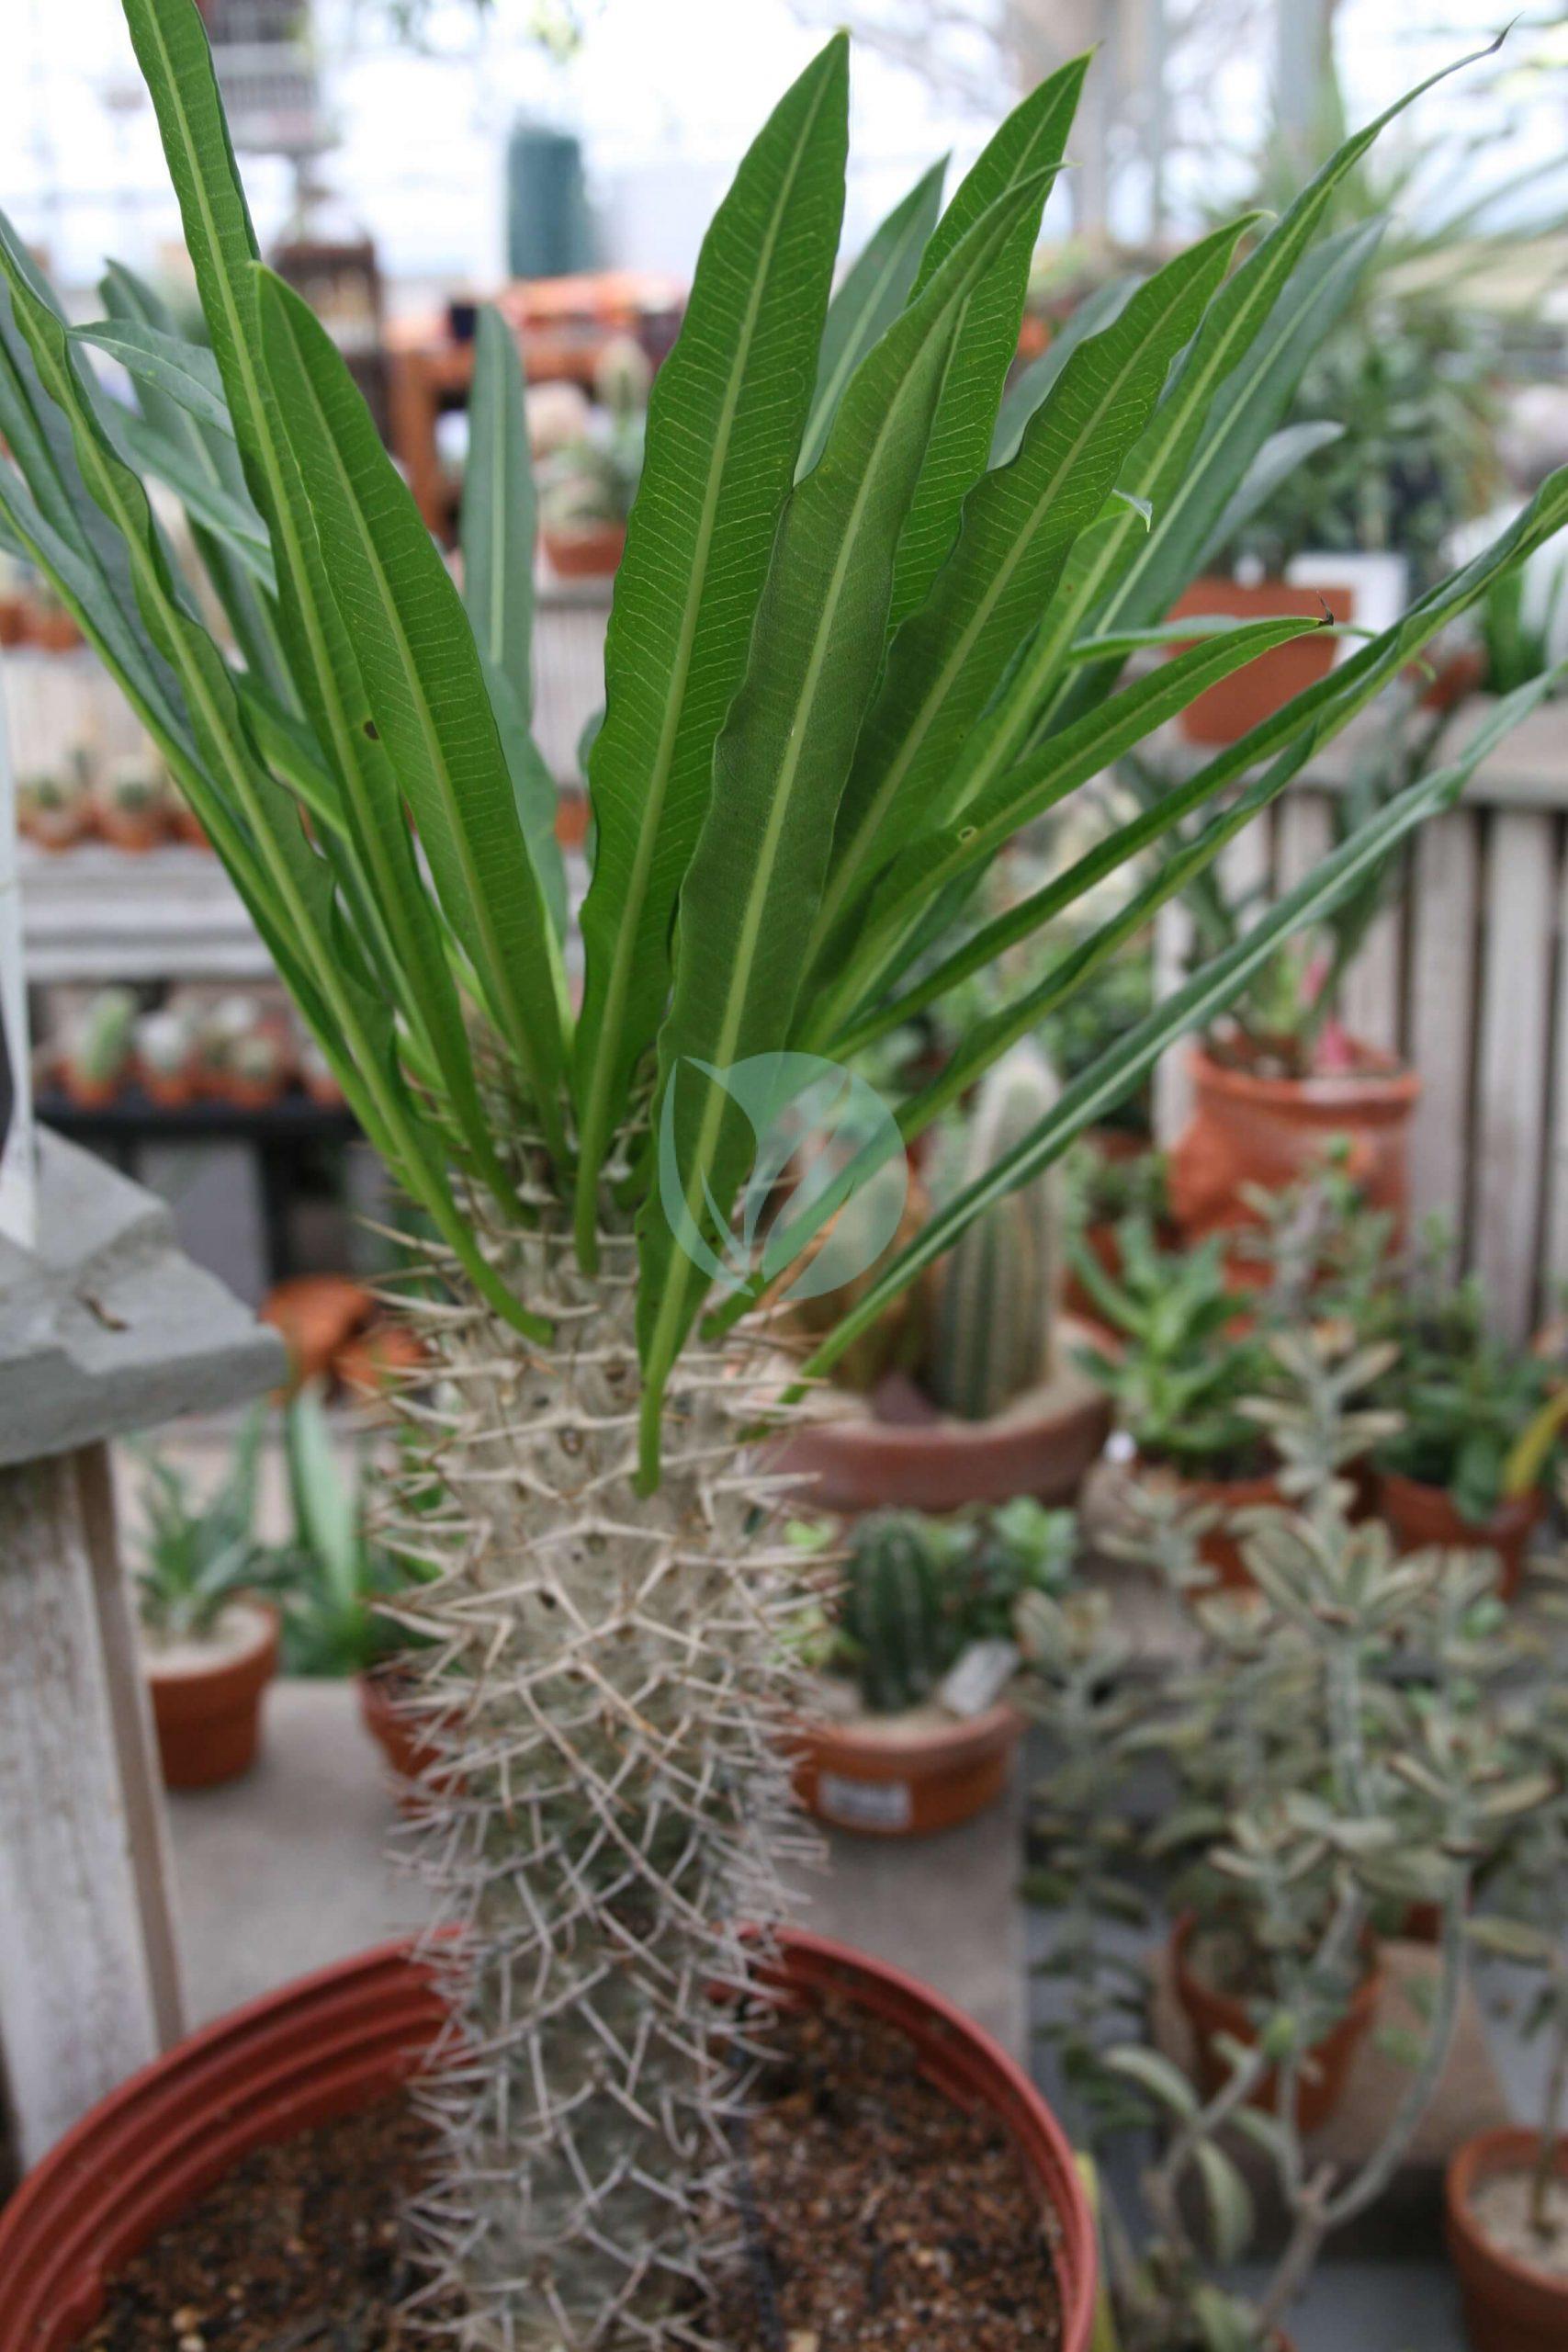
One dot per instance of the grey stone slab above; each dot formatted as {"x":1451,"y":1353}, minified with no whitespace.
{"x":104,"y":1326}
{"x":288,"y":1871}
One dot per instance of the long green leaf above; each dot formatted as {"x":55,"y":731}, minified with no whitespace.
{"x":1031,"y":383}
{"x":1032,"y":140}
{"x":1019,"y":525}
{"x":129,"y":300}
{"x":424,"y":684}
{"x":1124,"y":1065}
{"x":725,"y":421}
{"x":187,"y":371}
{"x":1276,"y":461}
{"x":230,"y":516}
{"x":873,"y":292}
{"x":499,"y":523}
{"x":780,"y":766}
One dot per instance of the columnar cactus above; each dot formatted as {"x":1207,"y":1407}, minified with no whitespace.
{"x":993,"y":1337}
{"x":893,"y":1611}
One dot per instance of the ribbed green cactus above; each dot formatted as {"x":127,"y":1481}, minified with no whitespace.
{"x":893,"y":1611}
{"x":997,"y":1287}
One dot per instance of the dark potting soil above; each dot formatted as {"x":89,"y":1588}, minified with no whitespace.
{"x":879,"y":2218}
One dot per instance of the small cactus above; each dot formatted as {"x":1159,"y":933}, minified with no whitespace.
{"x":99,"y":1048}
{"x":994,"y":1338}
{"x":894,"y":1613}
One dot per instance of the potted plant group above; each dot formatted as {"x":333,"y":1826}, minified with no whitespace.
{"x":983,"y":1400}
{"x":910,"y":1729}
{"x":1461,"y":1470}
{"x":1508,"y":2190}
{"x":97,"y":1057}
{"x":1317,"y":1782}
{"x":209,"y":1635}
{"x":793,"y":675}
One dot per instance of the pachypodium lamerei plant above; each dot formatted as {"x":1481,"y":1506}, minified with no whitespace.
{"x":994,"y":1338}
{"x":829,"y":700}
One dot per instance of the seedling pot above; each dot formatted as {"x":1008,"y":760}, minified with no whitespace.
{"x":1250,"y":1129}
{"x":208,"y":1716}
{"x":1510,"y":2306}
{"x":585,"y":551}
{"x":893,"y":1777}
{"x":338,"y":2041}
{"x":1211,"y":2014}
{"x":1220,"y":1548}
{"x":1421,"y":1516}
{"x":1255,"y":693}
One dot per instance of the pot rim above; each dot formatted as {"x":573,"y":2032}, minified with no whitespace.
{"x":1387,"y":1087}
{"x":1368,"y":1993}
{"x":360,"y":2023}
{"x":941,"y":1747}
{"x":1513,"y":1512}
{"x":263,"y":1645}
{"x":1509,"y":2147}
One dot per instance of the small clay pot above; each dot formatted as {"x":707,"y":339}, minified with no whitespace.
{"x":207,"y":1713}
{"x":401,"y":1735}
{"x":187,"y":826}
{"x":58,"y":829}
{"x":574,"y":811}
{"x":170,"y":1090}
{"x":1320,"y":2087}
{"x":53,"y":632}
{"x":1255,"y":693}
{"x":1510,"y":2306}
{"x":134,"y":831}
{"x":1422,"y":1517}
{"x":1219,"y":1549}
{"x":1043,"y":1445}
{"x":584,"y":551}
{"x":13,"y":621}
{"x":88,"y":1093}
{"x":1247,"y":1129}
{"x":252,"y":1093}
{"x":898,"y":1777}
{"x":318,"y":1315}
{"x":380,"y":1360}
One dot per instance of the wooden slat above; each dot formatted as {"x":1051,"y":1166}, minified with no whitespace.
{"x":1370,"y":1004}
{"x":1305,"y":831}
{"x":1444,"y":878}
{"x":84,"y":1999}
{"x":1511,"y":1094}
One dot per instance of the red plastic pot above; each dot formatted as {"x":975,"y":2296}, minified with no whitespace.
{"x":336,"y":2042}
{"x":207,"y":1717}
{"x":927,"y":1778}
{"x":1421,"y":1516}
{"x":403,"y":1736}
{"x":1212,"y":2013}
{"x":1253,"y":694}
{"x":1510,"y":2306}
{"x":1248,"y":1129}
{"x":857,"y":1463}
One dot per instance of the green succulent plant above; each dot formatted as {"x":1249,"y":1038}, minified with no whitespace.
{"x":997,"y":1289}
{"x":195,"y":1559}
{"x":834,"y":690}
{"x":337,"y":1580}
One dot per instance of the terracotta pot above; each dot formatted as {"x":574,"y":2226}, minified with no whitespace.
{"x":1510,"y":2306}
{"x":13,"y":621}
{"x":1253,"y":694}
{"x":187,"y":826}
{"x":88,"y":1093}
{"x":1247,"y":1129}
{"x":385,"y":1357}
{"x":398,"y":1733}
{"x":208,"y":1714}
{"x":136,"y":834}
{"x":318,"y":1315}
{"x":904,"y":1781}
{"x":57,"y":828}
{"x":1421,"y":1516}
{"x":1211,"y":2014}
{"x":338,"y":2041}
{"x":53,"y":632}
{"x":1219,"y":1549}
{"x":170,"y":1090}
{"x":1042,"y":1446}
{"x":585,"y":551}
{"x":572,"y":812}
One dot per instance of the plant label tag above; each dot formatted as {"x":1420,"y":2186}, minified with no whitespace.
{"x":980,"y":1677}
{"x":866,"y":1804}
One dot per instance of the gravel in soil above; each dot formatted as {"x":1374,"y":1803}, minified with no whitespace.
{"x":878,"y":2218}
{"x":1502,"y":2209}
